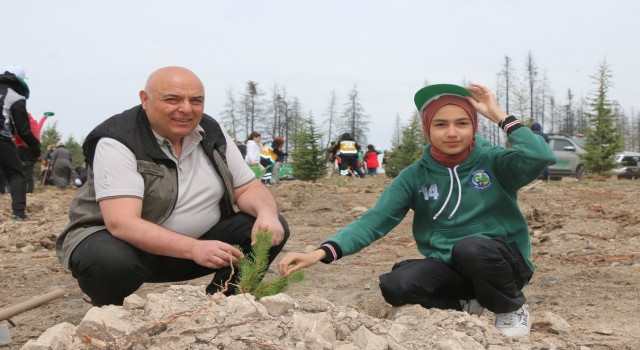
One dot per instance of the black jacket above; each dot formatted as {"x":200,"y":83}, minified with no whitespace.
{"x":13,"y":98}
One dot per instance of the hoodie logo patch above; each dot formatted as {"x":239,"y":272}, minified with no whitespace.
{"x":480,"y":179}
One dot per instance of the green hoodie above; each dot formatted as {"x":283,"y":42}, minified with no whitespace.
{"x":489,"y":180}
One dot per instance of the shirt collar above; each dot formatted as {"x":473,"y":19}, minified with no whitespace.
{"x":196,"y":136}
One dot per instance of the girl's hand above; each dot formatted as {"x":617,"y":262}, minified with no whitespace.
{"x":293,"y":262}
{"x":485,"y":102}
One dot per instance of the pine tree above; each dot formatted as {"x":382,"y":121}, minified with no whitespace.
{"x":77,"y":157}
{"x":603,"y":138}
{"x":252,"y":269}
{"x":310,"y":159}
{"x":408,"y":150}
{"x":49,"y":135}
{"x":354,"y":119}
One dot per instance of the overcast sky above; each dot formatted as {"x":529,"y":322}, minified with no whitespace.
{"x":87,"y":60}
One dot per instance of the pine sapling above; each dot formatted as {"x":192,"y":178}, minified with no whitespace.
{"x":253,"y":267}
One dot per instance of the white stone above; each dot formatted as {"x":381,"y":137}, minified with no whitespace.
{"x":314,"y":303}
{"x":58,"y":337}
{"x":395,"y":346}
{"x":398,"y":332}
{"x":28,"y":249}
{"x":317,"y":325}
{"x":278,"y":305}
{"x":245,"y":306}
{"x":365,"y":339}
{"x":347,"y":347}
{"x":107,"y":322}
{"x":133,"y":302}
{"x":551,"y":323}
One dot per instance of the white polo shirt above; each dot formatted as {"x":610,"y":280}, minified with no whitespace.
{"x":200,"y":188}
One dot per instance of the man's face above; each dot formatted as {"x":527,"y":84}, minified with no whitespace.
{"x":451,"y":130}
{"x":174,"y":102}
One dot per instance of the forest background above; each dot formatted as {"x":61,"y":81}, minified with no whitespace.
{"x":527,"y":94}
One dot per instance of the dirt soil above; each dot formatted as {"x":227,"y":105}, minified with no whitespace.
{"x":586,"y":240}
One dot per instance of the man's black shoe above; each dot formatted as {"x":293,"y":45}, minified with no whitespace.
{"x":20,"y":217}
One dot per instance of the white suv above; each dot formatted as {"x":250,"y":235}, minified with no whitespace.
{"x":628,"y":165}
{"x":568,"y":150}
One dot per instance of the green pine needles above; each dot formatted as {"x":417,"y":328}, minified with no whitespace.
{"x":310,"y":159}
{"x":407,"y":148}
{"x":252,"y":269}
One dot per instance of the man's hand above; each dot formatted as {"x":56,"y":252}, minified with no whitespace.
{"x":214,"y":254}
{"x":255,"y":199}
{"x":268,"y":223}
{"x":485,"y":102}
{"x":293,"y":262}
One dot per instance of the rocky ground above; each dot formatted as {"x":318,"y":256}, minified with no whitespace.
{"x":585,"y":293}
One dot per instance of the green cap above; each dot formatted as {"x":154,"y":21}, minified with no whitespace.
{"x":431,"y":92}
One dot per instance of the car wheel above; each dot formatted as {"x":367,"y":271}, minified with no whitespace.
{"x":581,"y":171}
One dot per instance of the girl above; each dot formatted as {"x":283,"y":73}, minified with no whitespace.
{"x":467,"y":222}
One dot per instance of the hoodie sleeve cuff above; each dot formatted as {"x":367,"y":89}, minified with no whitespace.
{"x":332,"y":252}
{"x":509,"y":124}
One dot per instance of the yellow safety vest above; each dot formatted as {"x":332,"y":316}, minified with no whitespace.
{"x":268,"y":152}
{"x":347,"y":147}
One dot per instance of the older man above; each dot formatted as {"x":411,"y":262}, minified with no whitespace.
{"x":167,"y":197}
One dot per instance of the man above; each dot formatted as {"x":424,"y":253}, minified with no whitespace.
{"x":14,"y":93}
{"x":347,"y":151}
{"x":61,"y":159}
{"x":331,"y":158}
{"x":158,"y":205}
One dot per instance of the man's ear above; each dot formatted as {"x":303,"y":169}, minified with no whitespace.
{"x":143,"y":99}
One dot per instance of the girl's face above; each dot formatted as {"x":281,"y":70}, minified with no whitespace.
{"x":257,"y":139}
{"x":451,"y":130}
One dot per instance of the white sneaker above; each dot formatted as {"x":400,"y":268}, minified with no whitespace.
{"x":472,"y":307}
{"x":514,"y":324}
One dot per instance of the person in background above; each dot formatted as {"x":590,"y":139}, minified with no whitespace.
{"x":280,"y":158}
{"x":474,"y":239}
{"x":268,"y":159}
{"x":362,"y":165}
{"x":25,"y":154}
{"x":347,"y":151}
{"x":371,"y":159}
{"x":14,"y":119}
{"x":536,"y":128}
{"x":168,"y":198}
{"x":331,"y":159}
{"x":61,"y":163}
{"x":47,"y":171}
{"x":385,"y":156}
{"x":253,"y":148}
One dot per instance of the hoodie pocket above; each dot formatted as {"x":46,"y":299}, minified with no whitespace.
{"x":444,"y":239}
